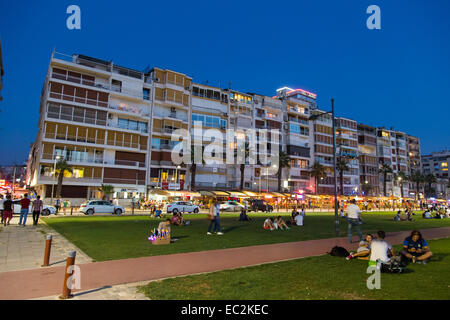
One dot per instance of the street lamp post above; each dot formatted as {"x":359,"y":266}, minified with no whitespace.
{"x":336,"y":216}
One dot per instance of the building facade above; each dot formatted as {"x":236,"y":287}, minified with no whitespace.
{"x":436,"y":164}
{"x":114,"y":126}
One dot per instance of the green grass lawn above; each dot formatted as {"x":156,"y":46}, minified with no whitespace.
{"x":322,"y":277}
{"x":119,"y":237}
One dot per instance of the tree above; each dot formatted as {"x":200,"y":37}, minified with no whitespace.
{"x":418,"y":179}
{"x":317,"y":171}
{"x":430,"y":179}
{"x":284,"y":162}
{"x":385,"y":169}
{"x":107,"y":190}
{"x":193,"y":167}
{"x":366,"y":187}
{"x":341,"y":166}
{"x":243,"y":165}
{"x":402,"y":177}
{"x":61,"y":168}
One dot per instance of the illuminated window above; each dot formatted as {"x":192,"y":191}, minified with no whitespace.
{"x":444,"y":164}
{"x":385,"y":134}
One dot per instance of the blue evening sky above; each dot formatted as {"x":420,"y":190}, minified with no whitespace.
{"x":398,"y":76}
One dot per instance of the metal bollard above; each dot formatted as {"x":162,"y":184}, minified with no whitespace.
{"x":48,"y":247}
{"x":70,"y":261}
{"x":71,"y":210}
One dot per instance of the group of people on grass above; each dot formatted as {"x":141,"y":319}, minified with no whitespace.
{"x":439,"y":214}
{"x":377,"y":249}
{"x":278,"y":223}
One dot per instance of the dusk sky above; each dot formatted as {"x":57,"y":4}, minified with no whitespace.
{"x":397,"y":77}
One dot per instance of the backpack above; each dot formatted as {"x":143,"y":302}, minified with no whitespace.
{"x":396,"y":265}
{"x":339,"y":252}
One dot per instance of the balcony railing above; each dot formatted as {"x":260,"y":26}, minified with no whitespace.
{"x":130,"y":109}
{"x":124,"y":181}
{"x":84,"y":100}
{"x":72,"y":117}
{"x":100,"y":85}
{"x":58,"y":136}
{"x":52,"y":179}
{"x":94,"y":160}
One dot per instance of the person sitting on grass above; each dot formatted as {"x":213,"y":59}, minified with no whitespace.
{"x":415,"y":248}
{"x":408,"y":216}
{"x":164,"y":225}
{"x":398,"y":216}
{"x":243,"y":216}
{"x":427,"y":215}
{"x":437,"y":215}
{"x":380,"y":250}
{"x":363,"y":252}
{"x":281,"y":224}
{"x":181,"y":220}
{"x":268,"y":224}
{"x":175,"y":220}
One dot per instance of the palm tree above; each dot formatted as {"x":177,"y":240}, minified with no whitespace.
{"x":243,"y":165}
{"x":385,"y":169}
{"x":366,"y":187}
{"x":193,"y":167}
{"x":430,"y":179}
{"x":284,"y":162}
{"x":418,"y":179}
{"x":106,"y":189}
{"x":342,"y":166}
{"x":402,"y":177}
{"x":317,"y":171}
{"x":61,"y":167}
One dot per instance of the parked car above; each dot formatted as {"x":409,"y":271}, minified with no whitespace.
{"x":182,"y":206}
{"x":231,"y":206}
{"x":260,"y":205}
{"x":100,"y":206}
{"x":46,"y":211}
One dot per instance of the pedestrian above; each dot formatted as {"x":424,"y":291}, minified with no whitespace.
{"x":214,"y":211}
{"x":353,"y":219}
{"x":65,"y":205}
{"x":8,"y":208}
{"x":57,"y":204}
{"x":1,"y":206}
{"x":25,"y":205}
{"x":37,"y":208}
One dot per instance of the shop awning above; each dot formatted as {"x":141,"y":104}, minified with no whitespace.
{"x":183,"y":193}
{"x":278,"y":195}
{"x":159,"y":192}
{"x":206,"y":193}
{"x":238,"y":194}
{"x":251,"y":194}
{"x":221,"y":193}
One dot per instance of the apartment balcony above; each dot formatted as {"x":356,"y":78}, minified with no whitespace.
{"x":76,"y":99}
{"x":93,"y":160}
{"x":50,"y":179}
{"x":129,"y":109}
{"x":71,"y":138}
{"x":124,"y":181}
{"x":140,"y":130}
{"x":99,"y":85}
{"x":302,"y":111}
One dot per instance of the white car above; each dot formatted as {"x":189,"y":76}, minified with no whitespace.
{"x":100,"y":206}
{"x":182,"y":206}
{"x":231,"y":206}
{"x":46,"y":211}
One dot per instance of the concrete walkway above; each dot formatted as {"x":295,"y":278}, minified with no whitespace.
{"x":48,"y":282}
{"x":22,"y":248}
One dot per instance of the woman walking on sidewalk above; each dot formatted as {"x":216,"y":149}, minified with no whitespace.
{"x":214,"y":212}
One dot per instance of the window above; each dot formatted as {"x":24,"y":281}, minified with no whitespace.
{"x":146,"y":94}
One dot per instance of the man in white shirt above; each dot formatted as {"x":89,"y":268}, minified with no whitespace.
{"x":353,"y":219}
{"x":380,"y":249}
{"x":299,"y":219}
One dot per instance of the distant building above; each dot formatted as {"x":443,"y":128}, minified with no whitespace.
{"x":437,"y":163}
